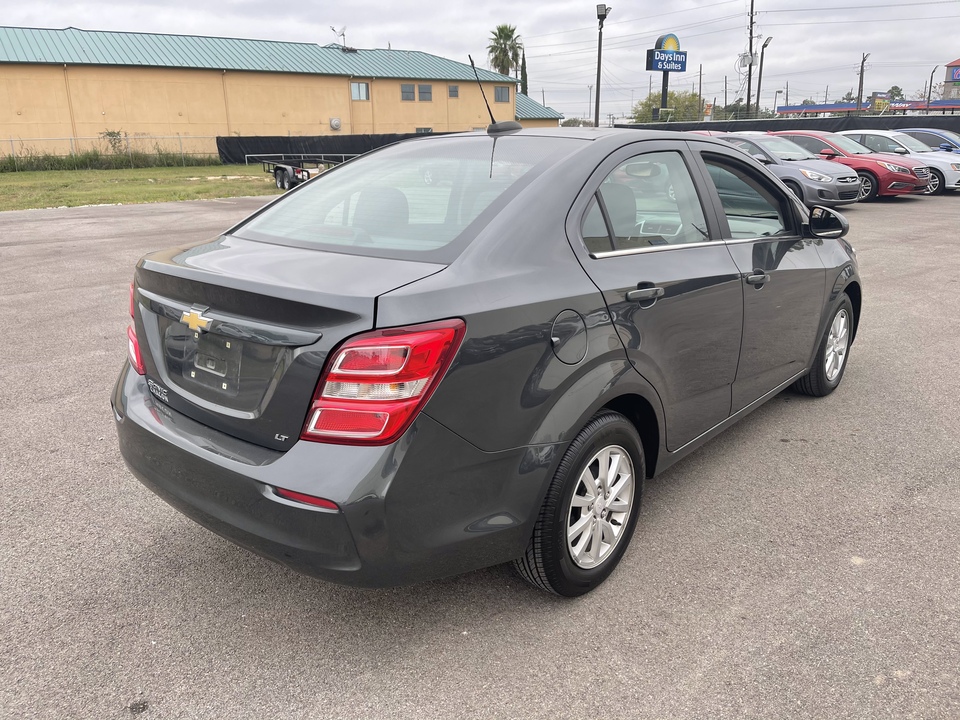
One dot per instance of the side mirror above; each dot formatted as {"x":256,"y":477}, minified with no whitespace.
{"x":829,"y":153}
{"x":948,"y":147}
{"x":827,"y":223}
{"x":762,"y":159}
{"x":901,"y":150}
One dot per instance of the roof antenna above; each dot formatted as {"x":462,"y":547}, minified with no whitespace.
{"x":495,"y":127}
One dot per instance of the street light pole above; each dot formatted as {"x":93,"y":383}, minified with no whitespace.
{"x":930,"y":87}
{"x":776,"y":107}
{"x":602,"y":12}
{"x":863,"y":62}
{"x":763,"y":49}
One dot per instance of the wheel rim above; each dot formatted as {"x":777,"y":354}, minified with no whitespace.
{"x":279,"y":181}
{"x":838,"y":340}
{"x":866,"y":187}
{"x":600,"y":507}
{"x":933,"y":184}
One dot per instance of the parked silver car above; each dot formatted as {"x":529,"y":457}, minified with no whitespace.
{"x":814,"y":180}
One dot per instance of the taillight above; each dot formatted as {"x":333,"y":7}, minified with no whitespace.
{"x":376,"y":383}
{"x":133,"y":345}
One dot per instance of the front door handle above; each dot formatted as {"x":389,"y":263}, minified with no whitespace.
{"x":758,"y":278}
{"x":645,"y":293}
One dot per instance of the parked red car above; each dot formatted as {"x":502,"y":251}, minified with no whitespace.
{"x":879,"y":174}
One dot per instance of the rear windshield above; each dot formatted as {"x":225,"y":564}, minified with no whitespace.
{"x":411,"y":201}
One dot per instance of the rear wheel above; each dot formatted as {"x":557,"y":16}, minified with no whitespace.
{"x":935,"y":185}
{"x":590,"y":510}
{"x":831,"y":360}
{"x":287,"y":181}
{"x":868,"y":186}
{"x":278,"y":177}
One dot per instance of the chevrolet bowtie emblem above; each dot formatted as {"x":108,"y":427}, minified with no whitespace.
{"x":194,"y":319}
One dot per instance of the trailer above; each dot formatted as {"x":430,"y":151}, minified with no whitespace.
{"x":290,"y":170}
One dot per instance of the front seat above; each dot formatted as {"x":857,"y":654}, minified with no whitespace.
{"x":381,"y":211}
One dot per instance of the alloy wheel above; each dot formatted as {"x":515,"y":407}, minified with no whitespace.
{"x":837,"y":342}
{"x":866,"y":187}
{"x":600,"y":507}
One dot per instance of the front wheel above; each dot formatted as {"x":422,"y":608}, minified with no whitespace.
{"x":935,"y":184}
{"x":831,"y":360}
{"x":278,"y":177}
{"x":795,"y":189}
{"x":868,"y":186}
{"x":590,"y":510}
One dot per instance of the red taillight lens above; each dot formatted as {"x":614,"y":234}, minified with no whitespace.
{"x":376,"y":383}
{"x":133,"y":345}
{"x":306,"y":499}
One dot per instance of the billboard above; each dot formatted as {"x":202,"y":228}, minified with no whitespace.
{"x":666,"y":55}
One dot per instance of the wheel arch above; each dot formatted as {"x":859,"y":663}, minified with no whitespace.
{"x":638,"y":410}
{"x":855,"y":293}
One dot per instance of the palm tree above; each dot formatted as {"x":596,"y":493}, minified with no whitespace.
{"x":504,"y":49}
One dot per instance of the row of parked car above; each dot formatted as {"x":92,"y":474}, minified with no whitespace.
{"x":833,"y":169}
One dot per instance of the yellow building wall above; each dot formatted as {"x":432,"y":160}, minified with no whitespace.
{"x":52,"y":101}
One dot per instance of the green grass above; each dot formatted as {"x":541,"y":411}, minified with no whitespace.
{"x":70,"y":188}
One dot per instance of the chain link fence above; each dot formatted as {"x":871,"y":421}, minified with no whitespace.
{"x":107,"y":151}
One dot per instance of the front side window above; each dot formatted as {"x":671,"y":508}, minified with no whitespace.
{"x":359,"y":91}
{"x":424,"y":131}
{"x":425,"y":92}
{"x":753,"y":208}
{"x":647,"y":201}
{"x":501,"y":94}
{"x":406,"y":92}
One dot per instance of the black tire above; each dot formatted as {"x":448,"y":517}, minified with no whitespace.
{"x":278,"y":177}
{"x":869,"y":186}
{"x":287,"y":180}
{"x":795,"y":189}
{"x":818,"y":381}
{"x":936,"y":183}
{"x":548,"y":562}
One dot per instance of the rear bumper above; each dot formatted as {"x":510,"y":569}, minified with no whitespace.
{"x":428,"y":506}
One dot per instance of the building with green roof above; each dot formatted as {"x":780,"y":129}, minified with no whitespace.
{"x":67,"y":85}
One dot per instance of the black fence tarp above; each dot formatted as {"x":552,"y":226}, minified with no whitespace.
{"x":832,"y":124}
{"x":234,"y":150}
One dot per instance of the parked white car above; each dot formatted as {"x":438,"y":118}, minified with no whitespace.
{"x":944,"y":167}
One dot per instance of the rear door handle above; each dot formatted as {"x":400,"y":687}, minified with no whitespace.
{"x":758,"y":278}
{"x":645,"y":293}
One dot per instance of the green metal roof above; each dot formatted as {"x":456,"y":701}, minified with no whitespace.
{"x":529,"y":109}
{"x":92,"y":47}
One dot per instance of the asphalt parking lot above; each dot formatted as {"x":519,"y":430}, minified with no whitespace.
{"x":804,"y":564}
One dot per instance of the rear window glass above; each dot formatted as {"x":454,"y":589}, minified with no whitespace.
{"x":410,"y":201}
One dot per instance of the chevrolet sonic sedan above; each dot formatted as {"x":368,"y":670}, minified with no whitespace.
{"x":379,"y":381}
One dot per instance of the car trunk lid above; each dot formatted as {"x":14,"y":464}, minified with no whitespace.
{"x":234,"y":333}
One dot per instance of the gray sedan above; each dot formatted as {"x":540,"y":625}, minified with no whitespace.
{"x":378,"y":381}
{"x":814,"y":180}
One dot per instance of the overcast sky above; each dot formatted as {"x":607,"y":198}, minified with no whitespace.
{"x":813,"y":47}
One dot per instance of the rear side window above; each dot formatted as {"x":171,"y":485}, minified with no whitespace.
{"x":647,"y":201}
{"x":812,"y":144}
{"x":410,"y":201}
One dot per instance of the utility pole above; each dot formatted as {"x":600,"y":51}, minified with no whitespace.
{"x":589,"y":99}
{"x":863,"y":62}
{"x":724,"y":91}
{"x":786,"y":99}
{"x":700,"y":93}
{"x":750,"y":61}
{"x":825,"y":93}
{"x":650,"y":89}
{"x":543,"y":97}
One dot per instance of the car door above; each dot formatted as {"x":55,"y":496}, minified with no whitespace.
{"x":782,"y":274}
{"x":672,"y":289}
